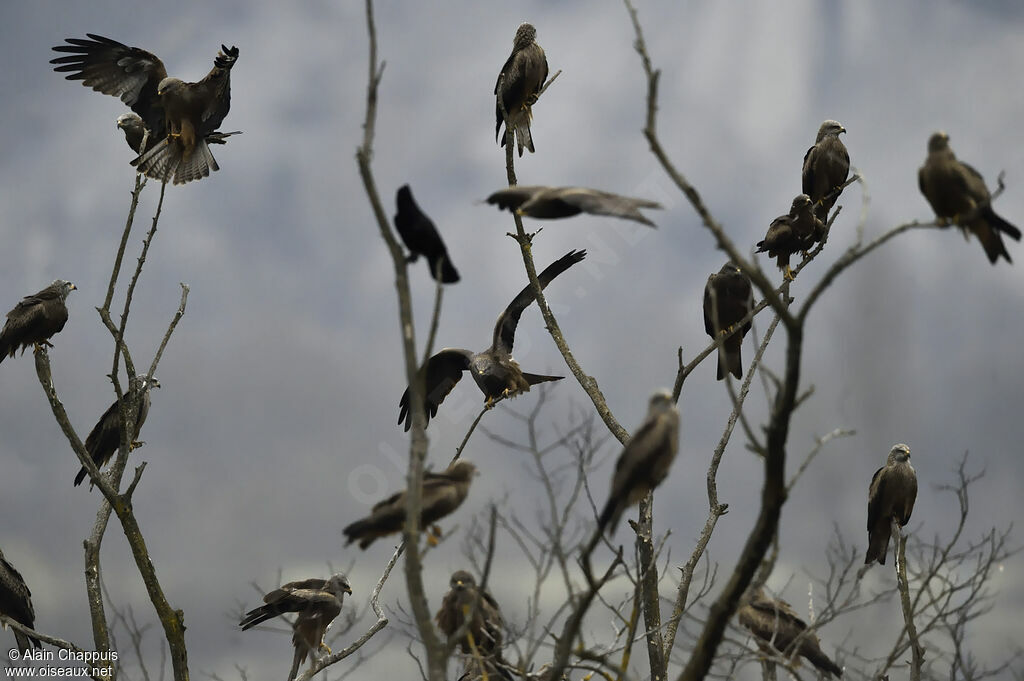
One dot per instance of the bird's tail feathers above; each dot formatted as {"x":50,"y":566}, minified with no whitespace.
{"x":26,"y":643}
{"x":81,"y":476}
{"x":1002,"y":225}
{"x":878,"y":546}
{"x":534,"y":379}
{"x":256,"y":616}
{"x":729,"y":361}
{"x":197,"y":166}
{"x":449,"y":275}
{"x":523,"y":136}
{"x":821,"y":661}
{"x":221,"y":137}
{"x":160,"y":161}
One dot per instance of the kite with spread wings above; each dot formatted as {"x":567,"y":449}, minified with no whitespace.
{"x":181,"y":117}
{"x":563,"y":202}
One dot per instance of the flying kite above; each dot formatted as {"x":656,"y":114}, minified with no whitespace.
{"x":135,"y":132}
{"x":421,"y":237}
{"x":494,"y":370}
{"x":788,"y":234}
{"x":774,"y":624}
{"x":442,"y":493}
{"x":957,"y":193}
{"x":105,"y":437}
{"x":519,"y":85}
{"x":16,"y":603}
{"x":891,"y":496}
{"x":316,"y":602}
{"x":563,"y":202}
{"x":180,"y":116}
{"x":36,"y":319}
{"x":826,"y":167}
{"x":728,"y":298}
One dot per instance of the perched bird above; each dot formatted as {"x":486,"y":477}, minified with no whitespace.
{"x":442,"y":493}
{"x":135,"y":130}
{"x":788,"y":234}
{"x":728,"y":298}
{"x":105,"y":437}
{"x":16,"y":603}
{"x":36,"y":319}
{"x":519,"y":85}
{"x":644,"y":461}
{"x":316,"y":602}
{"x":563,"y":202}
{"x":421,"y":237}
{"x":494,"y":370}
{"x":774,"y":624}
{"x":180,"y":116}
{"x":465,"y":598}
{"x":891,"y":496}
{"x":826,"y":167}
{"x":957,"y":193}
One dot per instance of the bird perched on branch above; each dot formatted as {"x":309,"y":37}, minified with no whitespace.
{"x":465,"y":600}
{"x":495,"y":372}
{"x":957,"y":193}
{"x":182,"y":118}
{"x":519,"y":85}
{"x":316,"y":603}
{"x":788,"y":234}
{"x":105,"y":437}
{"x":35,"y":319}
{"x":826,"y":167}
{"x":16,"y":603}
{"x":774,"y":624}
{"x":421,"y":237}
{"x":891,"y":496}
{"x":728,"y":298}
{"x":563,"y":202}
{"x":442,"y":493}
{"x":644,"y":461}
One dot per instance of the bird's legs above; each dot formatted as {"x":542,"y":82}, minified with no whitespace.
{"x":787,"y":273}
{"x":135,"y":444}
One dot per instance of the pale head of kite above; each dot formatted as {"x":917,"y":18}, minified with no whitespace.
{"x":899,"y":454}
{"x":829,"y":128}
{"x":525,"y":35}
{"x":939,"y":141}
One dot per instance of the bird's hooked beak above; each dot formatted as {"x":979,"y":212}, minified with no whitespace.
{"x":72,"y":287}
{"x":347,"y":589}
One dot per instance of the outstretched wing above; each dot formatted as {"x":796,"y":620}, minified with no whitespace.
{"x":598,"y":202}
{"x":443,"y":371}
{"x":215,"y":89}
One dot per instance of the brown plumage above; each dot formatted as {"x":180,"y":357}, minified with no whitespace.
{"x":562,"y":202}
{"x":180,"y":116}
{"x":16,"y":603}
{"x":484,"y":632}
{"x":494,"y":370}
{"x":773,"y":623}
{"x":442,"y":493}
{"x":957,"y":193}
{"x":35,"y":319}
{"x":518,"y":86}
{"x":728,"y":298}
{"x":788,"y":234}
{"x":891,"y":497}
{"x":105,"y":437}
{"x":826,"y":167}
{"x":316,"y":603}
{"x":134,"y":129}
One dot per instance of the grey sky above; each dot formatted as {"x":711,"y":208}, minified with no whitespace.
{"x":284,"y":376}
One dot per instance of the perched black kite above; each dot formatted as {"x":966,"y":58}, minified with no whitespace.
{"x":728,"y":298}
{"x":494,"y":370}
{"x":316,"y":602}
{"x":181,"y":117}
{"x":16,"y":603}
{"x":563,"y":202}
{"x":421,"y":237}
{"x":519,"y":85}
{"x":826,"y":167}
{"x":788,"y":234}
{"x":36,"y":319}
{"x":105,"y":437}
{"x":442,"y":493}
{"x":774,"y":624}
{"x":483,"y":636}
{"x":891,"y":496}
{"x":957,"y":193}
{"x":644,"y":461}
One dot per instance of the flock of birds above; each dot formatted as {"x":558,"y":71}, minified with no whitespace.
{"x":172,"y":124}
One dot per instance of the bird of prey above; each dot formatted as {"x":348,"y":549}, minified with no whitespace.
{"x":105,"y":437}
{"x":421,"y":237}
{"x":135,"y":132}
{"x":644,"y":461}
{"x":315,"y":602}
{"x":957,"y":193}
{"x":787,"y":234}
{"x":36,"y":319}
{"x":891,"y":496}
{"x":442,"y":493}
{"x":494,"y":370}
{"x":563,"y":202}
{"x":180,"y":116}
{"x":826,"y":167}
{"x":16,"y":603}
{"x":728,"y":298}
{"x":774,"y":624}
{"x":465,"y":598}
{"x":519,"y":85}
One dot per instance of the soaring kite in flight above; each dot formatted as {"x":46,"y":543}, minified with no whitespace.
{"x":563,"y":202}
{"x":35,"y":319}
{"x":519,"y":85}
{"x":181,"y":117}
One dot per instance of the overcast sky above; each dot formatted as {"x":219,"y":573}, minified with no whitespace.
{"x":284,"y":375}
